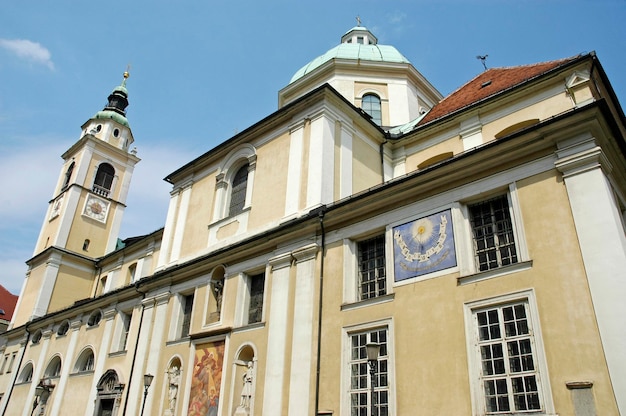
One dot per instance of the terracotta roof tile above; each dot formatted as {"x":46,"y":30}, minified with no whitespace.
{"x":7,"y":303}
{"x":487,"y":84}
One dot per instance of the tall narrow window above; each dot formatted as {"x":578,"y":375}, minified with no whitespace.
{"x":125,"y":320}
{"x":492,"y":227}
{"x":508,"y":363}
{"x":372,"y":275}
{"x":360,"y":379}
{"x":238,"y":191}
{"x":68,"y":175}
{"x":187,"y":305}
{"x":370,"y":103}
{"x":255,"y":306}
{"x":104,"y":179}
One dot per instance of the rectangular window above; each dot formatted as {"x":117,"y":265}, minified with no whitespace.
{"x":372,"y":274}
{"x":508,"y":363}
{"x":125,"y":319}
{"x":360,"y":375}
{"x":4,"y":363}
{"x":10,"y":367}
{"x":187,"y":307}
{"x":255,"y":305}
{"x":492,"y":229}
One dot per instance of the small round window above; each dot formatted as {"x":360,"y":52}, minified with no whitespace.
{"x":94,"y":318}
{"x":99,"y":127}
{"x":116,"y":132}
{"x":63,"y":328}
{"x":37,"y":336}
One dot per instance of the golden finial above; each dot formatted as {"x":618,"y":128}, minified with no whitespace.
{"x":126,"y":75}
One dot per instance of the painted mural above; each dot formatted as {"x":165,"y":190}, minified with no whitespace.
{"x":423,"y":246}
{"x":206,"y":380}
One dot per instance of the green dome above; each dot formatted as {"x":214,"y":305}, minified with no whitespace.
{"x":355,"y":51}
{"x":108,"y":114}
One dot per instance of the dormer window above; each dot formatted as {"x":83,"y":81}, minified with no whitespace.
{"x":370,"y":103}
{"x":104,"y":179}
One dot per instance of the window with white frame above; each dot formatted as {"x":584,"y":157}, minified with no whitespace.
{"x":493,"y":233}
{"x":360,"y":377}
{"x":256,"y":292}
{"x":370,"y":103}
{"x":372,"y":276}
{"x":125,"y":319}
{"x":507,"y":359}
{"x":234,"y":183}
{"x":85,"y":361}
{"x":26,"y":376}
{"x":54,"y":368}
{"x":186,"y":309}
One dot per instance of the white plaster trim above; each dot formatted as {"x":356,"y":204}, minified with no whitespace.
{"x":181,"y":221}
{"x":164,"y":254}
{"x":294,"y":171}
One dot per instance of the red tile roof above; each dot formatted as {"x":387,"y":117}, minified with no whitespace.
{"x":7,"y":303}
{"x":489,"y":83}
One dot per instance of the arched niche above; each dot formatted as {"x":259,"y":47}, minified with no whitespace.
{"x":244,"y":380}
{"x":172,"y":386}
{"x":216,"y":293}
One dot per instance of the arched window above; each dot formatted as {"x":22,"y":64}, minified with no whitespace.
{"x":370,"y":103}
{"x":26,"y":376}
{"x":54,"y":368}
{"x":238,"y":191}
{"x":85,"y":361}
{"x":104,"y":179}
{"x":68,"y":175}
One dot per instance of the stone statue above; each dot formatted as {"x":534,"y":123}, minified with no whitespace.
{"x":246,"y":391}
{"x":218,"y":289}
{"x":173,"y":376}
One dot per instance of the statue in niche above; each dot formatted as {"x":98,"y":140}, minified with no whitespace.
{"x":246,"y":391}
{"x":218,"y":289}
{"x":173,"y":376}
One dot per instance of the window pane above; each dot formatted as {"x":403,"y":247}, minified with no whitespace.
{"x":257,"y":287}
{"x":492,"y":227}
{"x":238,"y":191}
{"x":370,"y":103}
{"x":372,"y":273}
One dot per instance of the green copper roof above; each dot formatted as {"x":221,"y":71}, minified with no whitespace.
{"x":355,"y":51}
{"x":108,"y":114}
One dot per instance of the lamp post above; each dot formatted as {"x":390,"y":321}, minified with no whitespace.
{"x":147,"y":380}
{"x":372,"y":350}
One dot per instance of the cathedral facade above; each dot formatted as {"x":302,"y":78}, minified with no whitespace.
{"x":370,"y":248}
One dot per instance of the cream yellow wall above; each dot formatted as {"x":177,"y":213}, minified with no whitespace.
{"x":27,"y":300}
{"x":413,"y":160}
{"x":270,"y":178}
{"x":199,"y":215}
{"x":71,"y":284}
{"x":87,"y":228}
{"x":366,"y":165}
{"x":541,"y":110}
{"x":430,"y":344}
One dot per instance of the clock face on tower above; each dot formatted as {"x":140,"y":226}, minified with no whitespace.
{"x":423,"y":246}
{"x":96,"y":208}
{"x":56,"y":207}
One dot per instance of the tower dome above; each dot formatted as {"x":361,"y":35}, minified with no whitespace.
{"x":116,"y":106}
{"x":357,"y":44}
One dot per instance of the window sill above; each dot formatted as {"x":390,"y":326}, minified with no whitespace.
{"x":82,"y":373}
{"x":490,"y":274}
{"x":178,"y":341}
{"x":249,"y":327}
{"x":117,"y":353}
{"x":368,"y":302}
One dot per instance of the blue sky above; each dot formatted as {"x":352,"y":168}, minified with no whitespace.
{"x":203,"y":70}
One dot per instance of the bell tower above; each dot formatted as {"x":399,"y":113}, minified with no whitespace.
{"x":85,"y":213}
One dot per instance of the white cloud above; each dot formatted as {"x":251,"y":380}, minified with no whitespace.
{"x":28,"y":50}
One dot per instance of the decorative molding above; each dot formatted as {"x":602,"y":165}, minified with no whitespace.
{"x":280,"y":261}
{"x":305,"y":253}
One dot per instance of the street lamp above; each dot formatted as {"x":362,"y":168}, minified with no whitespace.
{"x":372,"y":350}
{"x":147,"y":380}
